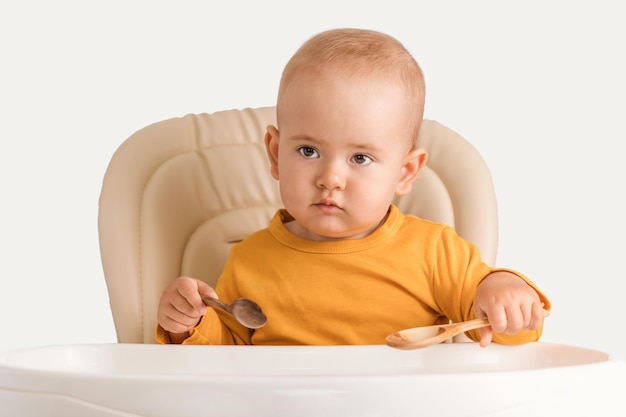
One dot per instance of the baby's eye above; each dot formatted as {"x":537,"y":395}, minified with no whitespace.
{"x":361,"y":159}
{"x":308,"y":152}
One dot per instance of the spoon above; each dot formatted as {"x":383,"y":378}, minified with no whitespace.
{"x":246,"y":311}
{"x":419,"y":337}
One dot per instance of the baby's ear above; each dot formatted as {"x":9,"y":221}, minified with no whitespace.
{"x":413,"y":164}
{"x":271,"y":147}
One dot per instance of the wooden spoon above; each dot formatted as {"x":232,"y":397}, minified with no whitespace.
{"x":419,"y":337}
{"x":246,"y":311}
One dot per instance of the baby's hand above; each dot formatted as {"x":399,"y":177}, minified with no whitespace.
{"x":510,"y":304}
{"x":181,"y":306}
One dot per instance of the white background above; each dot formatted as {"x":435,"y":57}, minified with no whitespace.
{"x":537,"y":86}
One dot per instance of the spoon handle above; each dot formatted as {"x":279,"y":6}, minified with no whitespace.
{"x":214,"y":302}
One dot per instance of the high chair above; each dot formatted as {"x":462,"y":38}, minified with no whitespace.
{"x":179,"y":193}
{"x":176,"y":196}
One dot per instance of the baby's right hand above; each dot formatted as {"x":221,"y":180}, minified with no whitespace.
{"x":181,"y":305}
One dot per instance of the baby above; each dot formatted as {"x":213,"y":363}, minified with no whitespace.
{"x":340,"y":264}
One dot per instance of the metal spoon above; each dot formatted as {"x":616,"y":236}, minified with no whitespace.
{"x":246,"y":311}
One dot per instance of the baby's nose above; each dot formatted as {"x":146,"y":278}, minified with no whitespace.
{"x":331,"y":177}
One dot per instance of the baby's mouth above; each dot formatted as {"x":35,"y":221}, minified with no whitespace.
{"x":327,"y":205}
{"x":327,"y":202}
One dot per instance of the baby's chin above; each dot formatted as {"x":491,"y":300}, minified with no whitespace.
{"x":331,"y":235}
{"x":328,"y":229}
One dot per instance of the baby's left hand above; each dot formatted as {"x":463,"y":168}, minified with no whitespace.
{"x":510,"y":304}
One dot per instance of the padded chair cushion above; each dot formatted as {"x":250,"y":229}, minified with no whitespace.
{"x":179,"y":193}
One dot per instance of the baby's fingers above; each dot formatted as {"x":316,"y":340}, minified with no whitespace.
{"x":537,"y":315}
{"x":174,"y":321}
{"x":510,"y":319}
{"x":486,"y":335}
{"x":180,"y":306}
{"x":526,"y":317}
{"x":187,"y":298}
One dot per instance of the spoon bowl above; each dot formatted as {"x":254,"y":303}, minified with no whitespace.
{"x":246,"y":311}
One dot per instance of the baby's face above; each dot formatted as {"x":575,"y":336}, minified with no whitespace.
{"x":342,"y":146}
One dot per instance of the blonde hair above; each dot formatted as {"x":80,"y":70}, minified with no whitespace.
{"x":348,"y":52}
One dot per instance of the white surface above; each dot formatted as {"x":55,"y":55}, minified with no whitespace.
{"x":537,"y":86}
{"x":444,"y":380}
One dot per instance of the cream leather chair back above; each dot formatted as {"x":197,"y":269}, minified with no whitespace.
{"x":178,"y":193}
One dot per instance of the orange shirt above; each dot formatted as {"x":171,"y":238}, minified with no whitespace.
{"x":410,"y":272}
